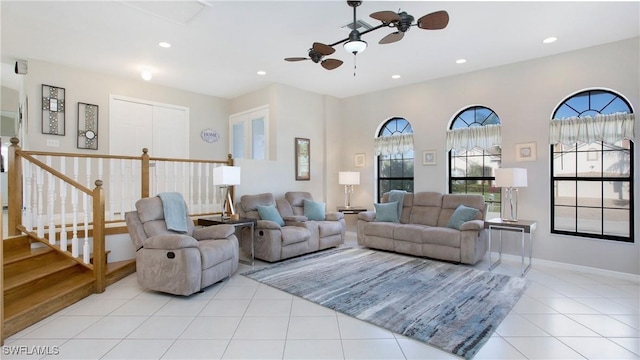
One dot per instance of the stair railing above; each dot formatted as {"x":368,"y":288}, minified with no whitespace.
{"x":48,"y":200}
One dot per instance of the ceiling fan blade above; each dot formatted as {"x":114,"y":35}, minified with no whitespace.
{"x":434,"y":21}
{"x":323,"y":49}
{"x":386,"y":17}
{"x":296,"y":58}
{"x":331,"y":64}
{"x":391,"y":38}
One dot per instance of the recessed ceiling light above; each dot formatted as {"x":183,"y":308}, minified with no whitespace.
{"x":549,"y":40}
{"x":164,"y":44}
{"x":461,"y":61}
{"x":395,"y":76}
{"x":261,"y":72}
{"x":146,"y":75}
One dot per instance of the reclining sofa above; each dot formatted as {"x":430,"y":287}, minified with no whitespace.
{"x":424,"y":228}
{"x":287,"y":232}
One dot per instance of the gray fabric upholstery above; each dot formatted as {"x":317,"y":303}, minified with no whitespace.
{"x":297,"y":237}
{"x":422,"y":229}
{"x":175,"y":263}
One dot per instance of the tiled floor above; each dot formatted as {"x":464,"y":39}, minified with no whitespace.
{"x":563,"y":315}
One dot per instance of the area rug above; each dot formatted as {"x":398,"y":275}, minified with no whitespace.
{"x":447,"y":306}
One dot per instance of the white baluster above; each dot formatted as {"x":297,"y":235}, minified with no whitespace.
{"x":26,"y":217}
{"x":40,"y":206}
{"x":191,"y":201}
{"x":133,"y":188}
{"x":34,"y":196}
{"x":199,"y":188}
{"x":85,"y":246}
{"x":88,"y":172}
{"x":166,"y":175}
{"x":75,"y":168}
{"x":175,"y":176}
{"x":123,"y":187}
{"x":75,"y":246}
{"x":63,"y":210}
{"x":112,"y":180}
{"x":51,"y":188}
{"x":206,"y":187}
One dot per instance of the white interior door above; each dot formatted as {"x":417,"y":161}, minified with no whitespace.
{"x":130,"y":125}
{"x":170,"y":133}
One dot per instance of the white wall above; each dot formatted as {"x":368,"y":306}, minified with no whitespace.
{"x":524,"y":95}
{"x":95,"y":88}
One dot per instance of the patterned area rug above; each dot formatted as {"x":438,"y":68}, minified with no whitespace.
{"x":450,"y":307}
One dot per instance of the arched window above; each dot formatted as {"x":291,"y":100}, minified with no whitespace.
{"x":475,"y":154}
{"x":394,"y":147}
{"x":591,"y":166}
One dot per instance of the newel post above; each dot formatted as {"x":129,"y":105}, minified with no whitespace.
{"x":144,"y":168}
{"x":99,"y":256}
{"x":14,"y":186}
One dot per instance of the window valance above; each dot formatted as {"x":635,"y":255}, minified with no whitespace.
{"x":608,"y":128}
{"x":393,"y":145}
{"x":468,"y":138}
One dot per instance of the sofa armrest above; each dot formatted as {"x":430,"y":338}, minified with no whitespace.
{"x":472,"y":225}
{"x":267,"y":225}
{"x":170,"y":242}
{"x":367,"y":216}
{"x":214,"y":232}
{"x":295,"y":218}
{"x":334,"y":216}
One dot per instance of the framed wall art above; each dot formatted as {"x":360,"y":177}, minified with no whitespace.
{"x":303,"y":159}
{"x":87,"y":126}
{"x":429,"y":157}
{"x":53,"y":105}
{"x":526,"y":151}
{"x":360,"y":160}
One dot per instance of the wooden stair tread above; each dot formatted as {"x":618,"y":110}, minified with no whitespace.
{"x":45,"y":294}
{"x":22,"y":254}
{"x":38,"y":272}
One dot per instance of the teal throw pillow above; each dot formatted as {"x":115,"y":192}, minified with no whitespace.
{"x":387,"y":212}
{"x":461,"y":215}
{"x":269,"y":212}
{"x":314,"y":210}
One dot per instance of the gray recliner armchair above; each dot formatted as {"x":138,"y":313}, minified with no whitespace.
{"x":179,"y":263}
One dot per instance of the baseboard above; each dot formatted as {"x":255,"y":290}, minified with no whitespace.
{"x":566,"y":266}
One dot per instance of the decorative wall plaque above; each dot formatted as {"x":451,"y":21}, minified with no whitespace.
{"x":210,"y":135}
{"x":87,"y":126}
{"x":53,"y":119}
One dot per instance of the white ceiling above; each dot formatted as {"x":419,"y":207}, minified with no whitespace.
{"x":218,"y":46}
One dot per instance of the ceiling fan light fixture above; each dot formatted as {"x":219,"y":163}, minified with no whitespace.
{"x":355,"y":45}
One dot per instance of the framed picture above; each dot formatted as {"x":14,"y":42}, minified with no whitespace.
{"x":53,"y":104}
{"x":360,"y":160}
{"x":429,"y":157}
{"x":303,"y":159}
{"x":87,"y":126}
{"x":526,"y":151}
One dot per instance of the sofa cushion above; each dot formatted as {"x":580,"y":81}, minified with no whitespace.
{"x":381,"y":229}
{"x":450,"y":203}
{"x":461,"y":215}
{"x":387,"y":212}
{"x":294,"y":234}
{"x":441,"y":236}
{"x":409,"y":232}
{"x":269,"y":212}
{"x":213,"y":252}
{"x":328,"y":228}
{"x":314,"y":210}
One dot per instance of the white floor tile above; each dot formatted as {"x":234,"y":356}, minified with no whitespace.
{"x":631,"y":320}
{"x":598,"y":348}
{"x":262,"y":328}
{"x":162,"y":327}
{"x":606,"y":326}
{"x":301,"y":307}
{"x":140,"y":307}
{"x":219,"y":307}
{"x":313,"y":349}
{"x":313,"y":328}
{"x":254,"y":349}
{"x":182,"y":307}
{"x":567,"y":305}
{"x":387,"y":349}
{"x":96,"y":306}
{"x":63,"y":327}
{"x":631,"y":344}
{"x":542,"y":348}
{"x":269,"y":307}
{"x":516,"y":325}
{"x":236,"y":293}
{"x":267,"y":292}
{"x":84,"y":349}
{"x":212,"y":327}
{"x":135,"y":349}
{"x":112,"y":327}
{"x":23,"y":349}
{"x":414,"y":350}
{"x":196,"y":349}
{"x":558,"y":325}
{"x":528,"y":305}
{"x":498,"y":348}
{"x":606,"y":306}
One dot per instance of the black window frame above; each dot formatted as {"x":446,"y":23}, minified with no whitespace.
{"x":488,"y":181}
{"x":390,"y":128}
{"x":601,"y":179}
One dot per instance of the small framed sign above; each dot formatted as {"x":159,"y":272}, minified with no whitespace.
{"x":303,"y":158}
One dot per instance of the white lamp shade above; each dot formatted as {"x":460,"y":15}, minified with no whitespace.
{"x":226,"y":175}
{"x":355,"y":46}
{"x":349,"y":178}
{"x":511,"y":177}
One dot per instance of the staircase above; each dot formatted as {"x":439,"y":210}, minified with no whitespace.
{"x":39,"y":281}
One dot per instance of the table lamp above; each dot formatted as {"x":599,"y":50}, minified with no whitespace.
{"x":511,"y":179}
{"x":348,"y":179}
{"x":227,"y":176}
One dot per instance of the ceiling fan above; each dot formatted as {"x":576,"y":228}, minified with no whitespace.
{"x":401,"y":21}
